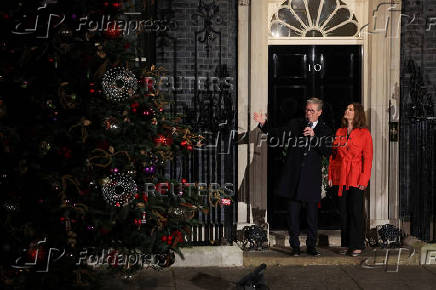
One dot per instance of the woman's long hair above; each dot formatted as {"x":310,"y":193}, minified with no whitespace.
{"x":359,"y":120}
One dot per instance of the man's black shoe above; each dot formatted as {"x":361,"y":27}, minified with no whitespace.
{"x":295,"y":252}
{"x":313,"y":251}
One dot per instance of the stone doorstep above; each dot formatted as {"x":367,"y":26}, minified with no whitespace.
{"x":329,"y":242}
{"x":326,"y":238}
{"x":280,"y":256}
{"x":212,"y":256}
{"x":428,"y":254}
{"x":425,"y":253}
{"x":233,"y":256}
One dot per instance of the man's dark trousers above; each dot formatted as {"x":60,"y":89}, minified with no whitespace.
{"x":294,"y":210}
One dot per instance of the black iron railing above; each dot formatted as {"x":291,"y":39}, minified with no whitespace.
{"x":212,"y":112}
{"x":417,"y":155}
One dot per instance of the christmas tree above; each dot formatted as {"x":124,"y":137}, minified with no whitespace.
{"x":85,"y":139}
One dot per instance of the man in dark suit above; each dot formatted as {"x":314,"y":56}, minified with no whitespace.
{"x":301,"y":182}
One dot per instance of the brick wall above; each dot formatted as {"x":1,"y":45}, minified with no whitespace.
{"x":179,"y":60}
{"x":418,"y":40}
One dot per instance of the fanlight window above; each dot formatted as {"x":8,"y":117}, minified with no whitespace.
{"x":313,"y":18}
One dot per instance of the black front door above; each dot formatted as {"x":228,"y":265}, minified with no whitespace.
{"x":296,"y":73}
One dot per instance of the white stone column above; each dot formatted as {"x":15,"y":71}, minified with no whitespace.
{"x":252,"y":97}
{"x":258,"y":103}
{"x":394,"y":113}
{"x":383,"y":40}
{"x":243,"y":91}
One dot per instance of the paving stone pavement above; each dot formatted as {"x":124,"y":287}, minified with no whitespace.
{"x":282,"y":277}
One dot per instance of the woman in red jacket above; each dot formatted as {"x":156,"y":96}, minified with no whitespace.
{"x":350,"y":169}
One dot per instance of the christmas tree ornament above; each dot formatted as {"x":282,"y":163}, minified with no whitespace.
{"x":199,"y":143}
{"x":111,"y":124}
{"x":178,"y":236}
{"x":141,"y":221}
{"x":119,"y":84}
{"x":83,"y":124}
{"x":164,"y":156}
{"x":66,"y":34}
{"x":105,"y":181}
{"x":150,"y":169}
{"x":44,"y":148}
{"x":113,"y":31}
{"x":36,"y":253}
{"x":11,"y":206}
{"x":134,"y":107}
{"x":56,"y":186}
{"x":214,"y":198}
{"x":148,"y":113}
{"x":176,"y":212}
{"x":154,"y":122}
{"x":67,"y":98}
{"x":162,"y":140}
{"x":92,"y":88}
{"x":119,"y":190}
{"x":53,"y":113}
{"x":140,"y":205}
{"x":226,"y":201}
{"x":100,"y":52}
{"x":53,"y":60}
{"x":93,"y":185}
{"x":3,"y":178}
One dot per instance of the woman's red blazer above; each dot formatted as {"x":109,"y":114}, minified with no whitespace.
{"x":351,"y":159}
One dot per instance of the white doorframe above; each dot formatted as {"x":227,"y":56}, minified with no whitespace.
{"x":380,"y":65}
